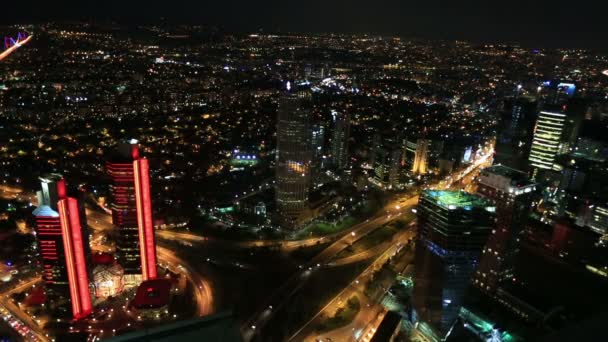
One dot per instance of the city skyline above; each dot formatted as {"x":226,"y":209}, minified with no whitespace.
{"x":539,"y":24}
{"x":177,"y":181}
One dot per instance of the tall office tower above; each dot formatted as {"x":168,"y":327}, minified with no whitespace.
{"x":421,"y":158}
{"x":511,"y":192}
{"x":63,"y":243}
{"x":339,"y":142}
{"x":547,"y":141}
{"x":293,"y":157}
{"x":387,"y":167}
{"x":409,"y":154}
{"x":515,"y":133}
{"x":453,"y":227}
{"x":317,"y":143}
{"x":132,"y":213}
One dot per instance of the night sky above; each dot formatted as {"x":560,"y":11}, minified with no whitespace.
{"x":582,"y":23}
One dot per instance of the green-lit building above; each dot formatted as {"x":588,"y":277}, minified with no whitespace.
{"x":453,"y":227}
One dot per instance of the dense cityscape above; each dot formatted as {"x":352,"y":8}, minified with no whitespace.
{"x":169,"y":182}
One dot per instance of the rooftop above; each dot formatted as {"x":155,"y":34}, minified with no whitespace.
{"x":456,"y":199}
{"x":514,"y":175}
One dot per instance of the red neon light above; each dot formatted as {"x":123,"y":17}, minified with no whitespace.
{"x":135,"y":151}
{"x":61,"y":192}
{"x":81,"y":268}
{"x":74,"y":257}
{"x":147,"y":246}
{"x":67,"y":245}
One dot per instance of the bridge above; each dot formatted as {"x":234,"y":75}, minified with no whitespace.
{"x":13,"y":43}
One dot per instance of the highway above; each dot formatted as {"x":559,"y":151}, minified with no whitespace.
{"x":6,"y":302}
{"x":202,"y":289}
{"x":100,"y":222}
{"x":355,"y":288}
{"x":391,"y":211}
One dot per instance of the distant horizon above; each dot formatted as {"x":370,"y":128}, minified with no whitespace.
{"x":542,"y":23}
{"x":261,"y":31}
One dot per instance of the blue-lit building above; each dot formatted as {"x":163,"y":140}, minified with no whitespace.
{"x":453,"y":227}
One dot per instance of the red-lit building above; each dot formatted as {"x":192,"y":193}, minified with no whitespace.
{"x":132,"y":213}
{"x":64,"y":247}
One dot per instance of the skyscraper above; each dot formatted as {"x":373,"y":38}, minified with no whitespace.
{"x":387,"y":167}
{"x":339,"y":142}
{"x":421,"y":158}
{"x":515,"y":133}
{"x":547,"y":140}
{"x":511,"y":192}
{"x":293,"y":157}
{"x":63,"y":243}
{"x":452,"y":229}
{"x":132,"y":213}
{"x":318,"y":152}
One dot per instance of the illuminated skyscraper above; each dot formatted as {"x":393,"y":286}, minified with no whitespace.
{"x":63,"y":244}
{"x":293,"y":157}
{"x":318,"y":152}
{"x":511,"y":192}
{"x":452,"y":229}
{"x":339,"y":142}
{"x":421,"y":158}
{"x":131,"y":207}
{"x":547,"y":141}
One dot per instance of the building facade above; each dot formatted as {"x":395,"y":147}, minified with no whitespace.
{"x":64,"y":247}
{"x":293,"y":158}
{"x":547,"y":140}
{"x":131,"y":207}
{"x":453,"y":227}
{"x":515,"y":133}
{"x":511,"y":192}
{"x":339,"y":142}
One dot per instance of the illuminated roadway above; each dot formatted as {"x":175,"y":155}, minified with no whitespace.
{"x":392,"y":211}
{"x":12,"y":49}
{"x":357,"y":287}
{"x":101,"y":221}
{"x":16,"y":311}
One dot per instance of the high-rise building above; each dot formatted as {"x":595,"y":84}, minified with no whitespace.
{"x":339,"y":142}
{"x":515,"y":133}
{"x":409,"y":153}
{"x":387,"y":167}
{"x":425,"y":156}
{"x":131,"y":207}
{"x":453,"y":227}
{"x":547,"y":141}
{"x":63,"y":244}
{"x":511,"y":192}
{"x":294,"y":157}
{"x":317,"y":143}
{"x":421,"y":159}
